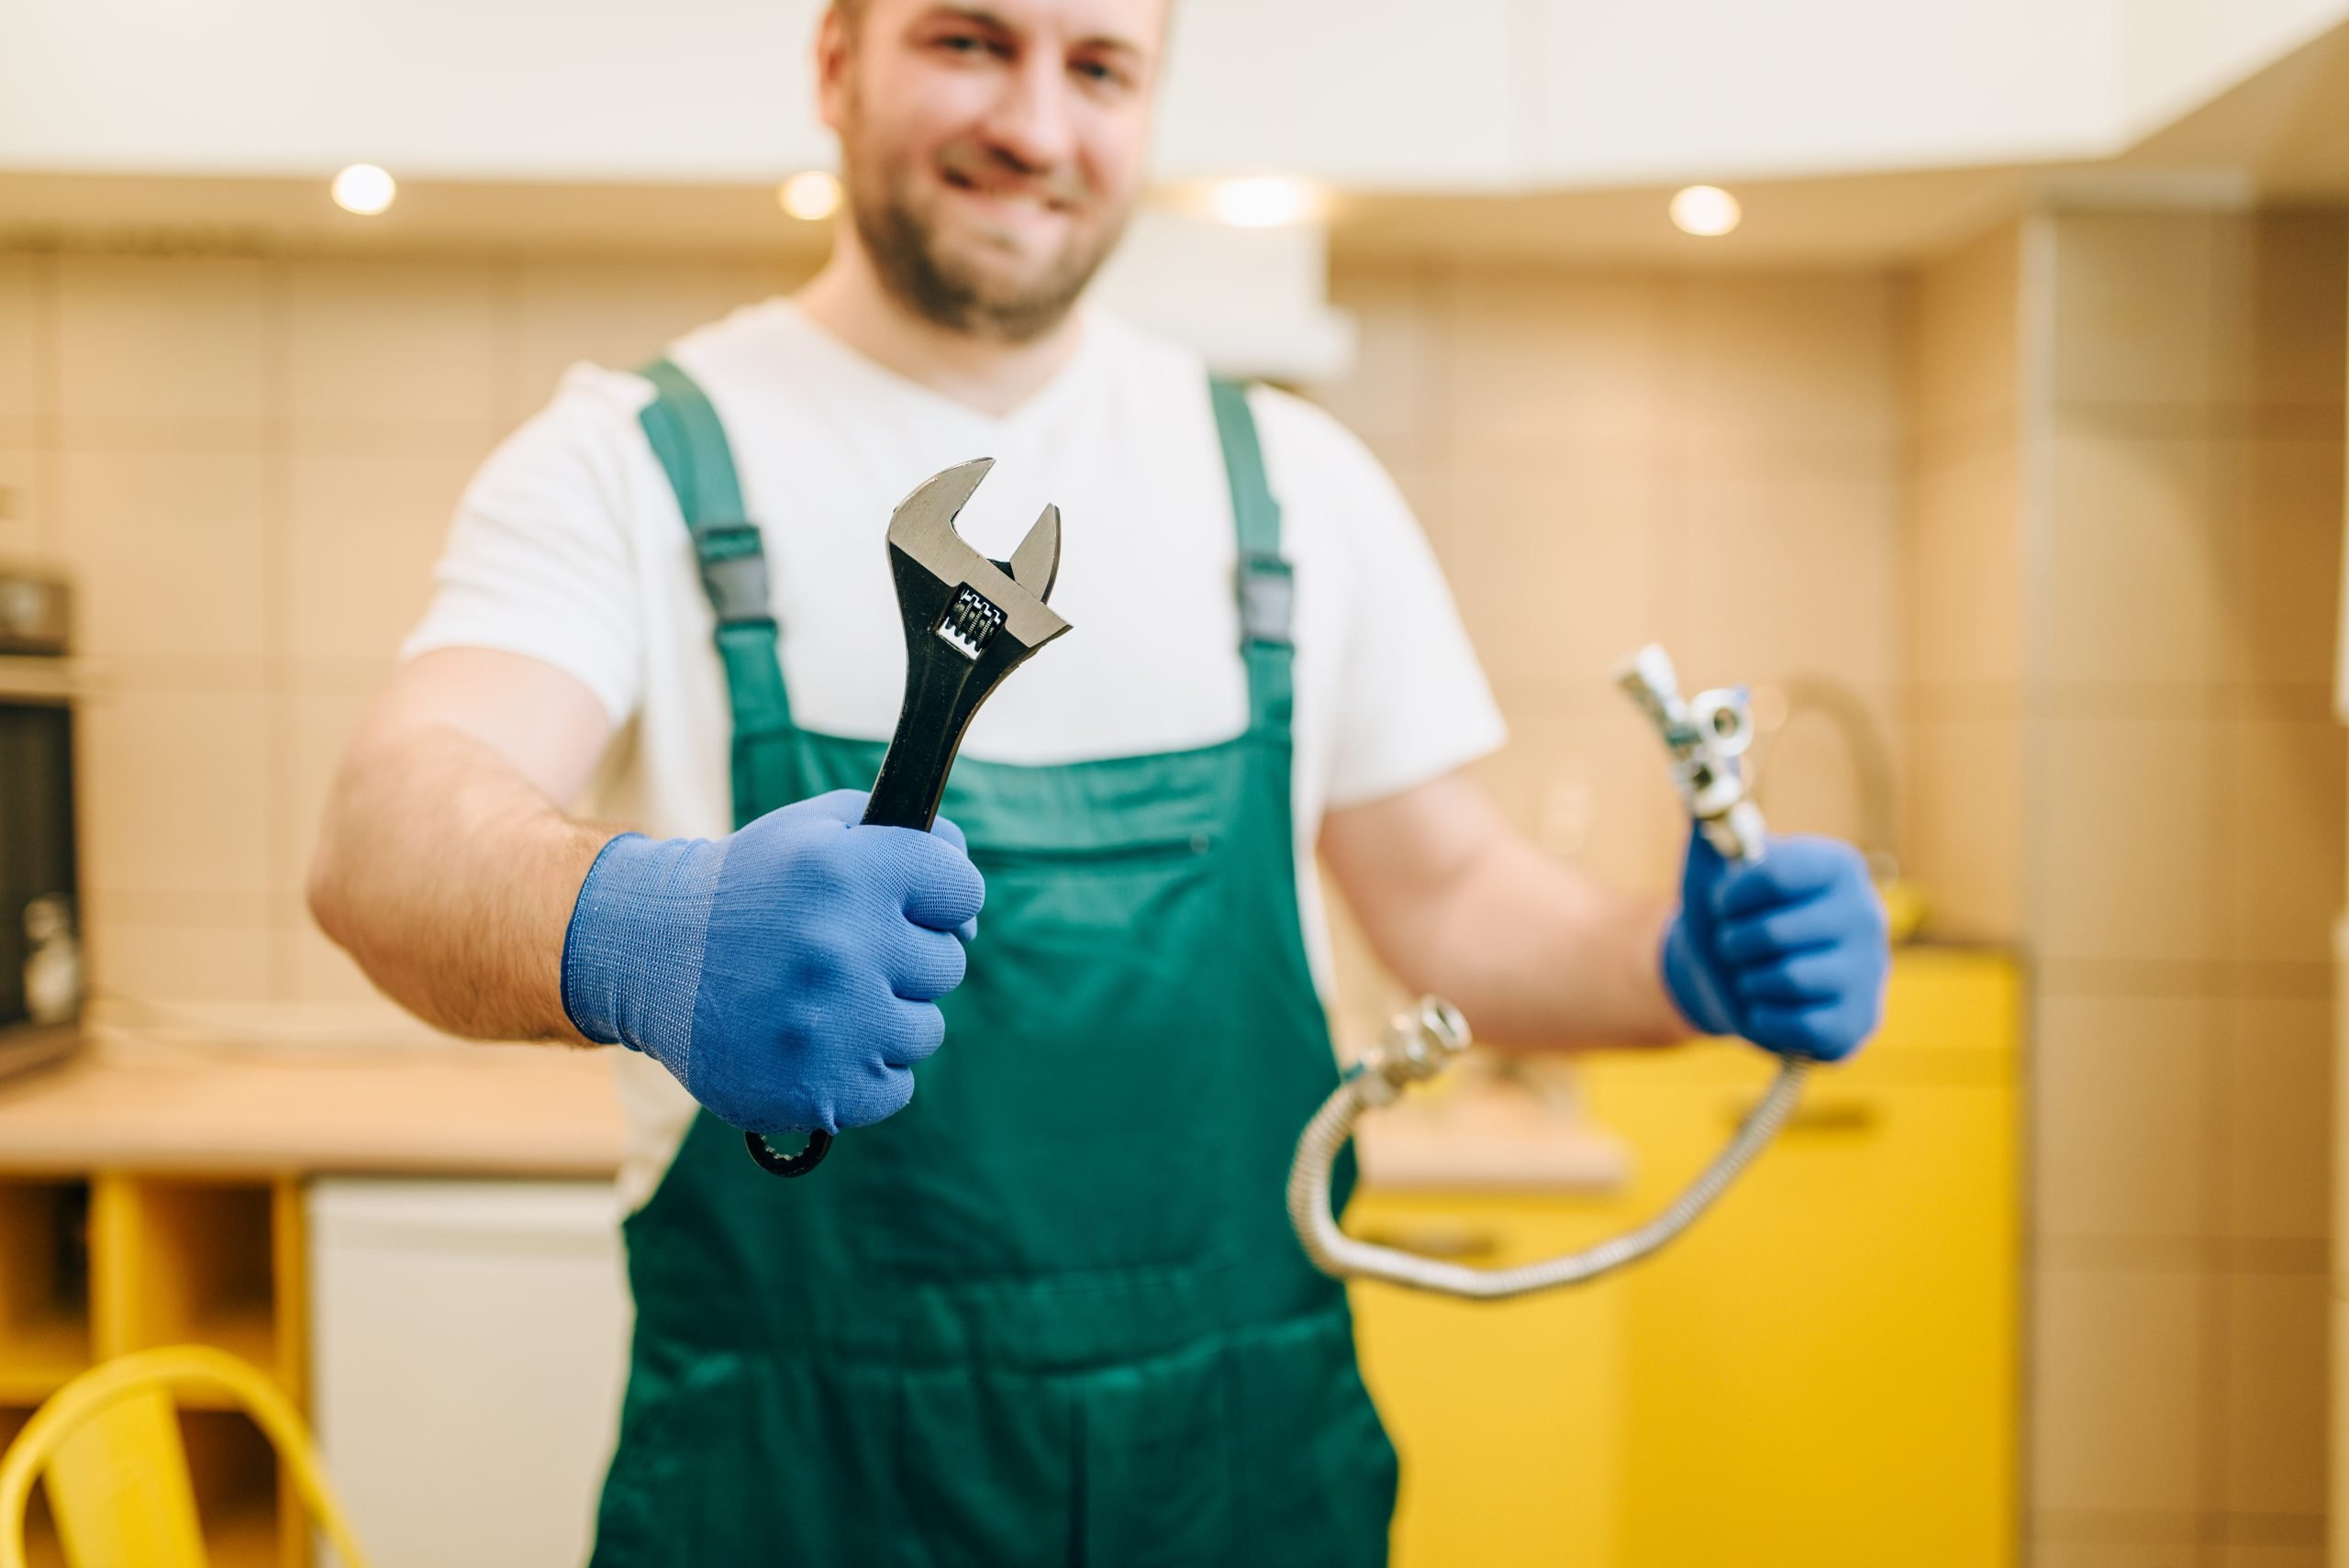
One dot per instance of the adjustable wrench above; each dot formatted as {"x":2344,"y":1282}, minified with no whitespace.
{"x":969,"y":622}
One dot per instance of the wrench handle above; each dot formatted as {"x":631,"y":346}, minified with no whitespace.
{"x":906,"y":791}
{"x":940,"y":697}
{"x":944,"y":687}
{"x":776,"y":1163}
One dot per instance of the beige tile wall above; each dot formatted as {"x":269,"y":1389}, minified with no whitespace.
{"x":1607,"y":458}
{"x":2122,"y":585}
{"x":247,"y":464}
{"x":2087,"y":597}
{"x":1962,"y":655}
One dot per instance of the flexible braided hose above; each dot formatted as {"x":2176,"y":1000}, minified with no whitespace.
{"x":1335,"y":1253}
{"x":1704,"y":737}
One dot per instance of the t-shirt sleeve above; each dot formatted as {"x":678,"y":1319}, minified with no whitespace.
{"x":539,"y":559}
{"x":1411,"y":701}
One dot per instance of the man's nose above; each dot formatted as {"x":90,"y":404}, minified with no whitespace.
{"x":1030,"y":123}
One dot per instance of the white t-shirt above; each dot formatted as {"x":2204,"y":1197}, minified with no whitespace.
{"x":569,"y":548}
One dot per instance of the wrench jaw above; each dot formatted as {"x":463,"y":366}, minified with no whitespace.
{"x":968,"y":623}
{"x":922,"y":524}
{"x":922,"y":527}
{"x":1035,"y":564}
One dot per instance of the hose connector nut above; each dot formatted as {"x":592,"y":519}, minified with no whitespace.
{"x":1704,"y":735}
{"x":1418,"y":1043}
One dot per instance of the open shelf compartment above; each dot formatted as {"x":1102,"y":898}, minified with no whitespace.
{"x":190,"y":1260}
{"x":42,"y":1549}
{"x":238,"y":1490}
{"x":249,"y":1510}
{"x":45,"y":1335}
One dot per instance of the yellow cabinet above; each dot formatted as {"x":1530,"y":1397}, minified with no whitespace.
{"x":1502,"y":1413}
{"x":1822,"y":1374}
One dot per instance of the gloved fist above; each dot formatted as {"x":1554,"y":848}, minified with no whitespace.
{"x":787,"y":974}
{"x":1789,"y":950}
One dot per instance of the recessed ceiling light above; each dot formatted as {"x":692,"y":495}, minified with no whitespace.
{"x":365,"y":189}
{"x":809,"y":196}
{"x":1262,"y":200}
{"x":1706,"y":210}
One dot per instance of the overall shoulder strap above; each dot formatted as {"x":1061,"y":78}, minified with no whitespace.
{"x":690,"y":441}
{"x":1267,"y":585}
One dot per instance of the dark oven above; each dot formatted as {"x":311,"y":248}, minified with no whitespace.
{"x":41,"y":914}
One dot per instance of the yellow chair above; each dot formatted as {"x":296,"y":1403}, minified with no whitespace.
{"x":108,"y":1444}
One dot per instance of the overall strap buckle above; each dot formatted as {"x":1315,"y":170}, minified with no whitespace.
{"x":1267,"y":599}
{"x":733,"y":571}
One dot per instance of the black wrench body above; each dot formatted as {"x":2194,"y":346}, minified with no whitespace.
{"x":969,"y":622}
{"x":943,"y":690}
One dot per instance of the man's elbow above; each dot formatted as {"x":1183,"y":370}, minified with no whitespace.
{"x":328,"y":888}
{"x":351,"y":818}
{"x":324,"y":892}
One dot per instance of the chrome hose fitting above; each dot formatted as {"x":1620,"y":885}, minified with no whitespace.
{"x":1418,"y":1043}
{"x":1703,"y":736}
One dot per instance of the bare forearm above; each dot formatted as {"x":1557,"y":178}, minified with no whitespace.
{"x":1537,"y":955}
{"x":449,"y":877}
{"x":1458,"y":903}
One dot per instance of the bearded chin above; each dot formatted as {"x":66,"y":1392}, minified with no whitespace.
{"x":941,"y":287}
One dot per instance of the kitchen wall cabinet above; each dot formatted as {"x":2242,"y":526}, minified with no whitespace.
{"x":1375,"y":94}
{"x":1383,"y":95}
{"x":1718,"y":89}
{"x":1366,"y":93}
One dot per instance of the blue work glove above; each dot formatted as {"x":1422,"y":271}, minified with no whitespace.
{"x":789,"y":974}
{"x":1788,"y":950}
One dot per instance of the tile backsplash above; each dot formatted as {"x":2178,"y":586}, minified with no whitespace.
{"x":2058,"y":514}
{"x":1606,"y":459}
{"x":2122,"y":582}
{"x":246,"y":464}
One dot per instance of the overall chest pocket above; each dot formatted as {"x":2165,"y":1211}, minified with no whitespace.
{"x":1069,"y":1125}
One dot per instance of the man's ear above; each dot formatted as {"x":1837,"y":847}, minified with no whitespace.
{"x":835,"y":42}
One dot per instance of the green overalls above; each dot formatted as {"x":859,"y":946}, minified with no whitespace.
{"x":1053,"y":1312}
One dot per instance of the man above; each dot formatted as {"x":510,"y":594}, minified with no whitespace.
{"x":1047,"y":1310}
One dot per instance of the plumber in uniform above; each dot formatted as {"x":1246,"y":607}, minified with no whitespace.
{"x":1041,"y":1306}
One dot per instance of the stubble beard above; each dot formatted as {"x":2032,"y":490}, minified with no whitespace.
{"x":946,"y":289}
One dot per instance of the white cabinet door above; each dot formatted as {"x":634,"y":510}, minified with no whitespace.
{"x":1379,"y":94}
{"x":1721,"y":89}
{"x":453,"y":89}
{"x":468,"y":1349}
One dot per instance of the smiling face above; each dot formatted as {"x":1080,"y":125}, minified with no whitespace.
{"x":992,"y":151}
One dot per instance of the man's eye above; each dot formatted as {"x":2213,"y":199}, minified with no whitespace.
{"x":1099,"y":74}
{"x":972,"y":45}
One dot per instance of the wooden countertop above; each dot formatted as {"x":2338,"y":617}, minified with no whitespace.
{"x":482,"y":1110}
{"x":294,"y":1094}
{"x":1488,"y":1138}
